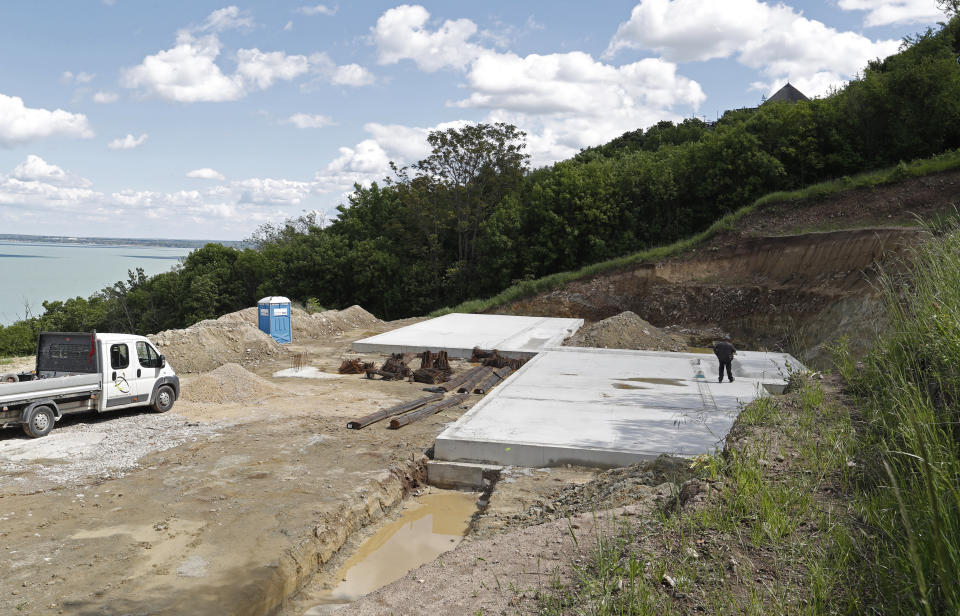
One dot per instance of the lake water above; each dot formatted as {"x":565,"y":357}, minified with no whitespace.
{"x":34,"y":272}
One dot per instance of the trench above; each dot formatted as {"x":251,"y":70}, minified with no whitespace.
{"x":428,"y":526}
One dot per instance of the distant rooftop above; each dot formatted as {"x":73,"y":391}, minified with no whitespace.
{"x":787,"y":94}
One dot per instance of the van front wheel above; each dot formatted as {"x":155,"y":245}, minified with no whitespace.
{"x":39,"y":422}
{"x":164,"y":400}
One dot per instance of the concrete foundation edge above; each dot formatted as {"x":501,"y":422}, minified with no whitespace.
{"x":534,"y":455}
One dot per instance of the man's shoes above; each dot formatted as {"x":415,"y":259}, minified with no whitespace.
{"x":721,"y":380}
{"x":731,"y":379}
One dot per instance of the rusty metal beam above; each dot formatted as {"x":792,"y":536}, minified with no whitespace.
{"x":366,"y":420}
{"x":399,"y":422}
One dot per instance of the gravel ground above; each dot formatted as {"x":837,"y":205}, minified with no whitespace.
{"x":102,"y":447}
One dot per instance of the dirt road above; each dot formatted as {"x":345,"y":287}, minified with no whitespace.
{"x":214,"y":508}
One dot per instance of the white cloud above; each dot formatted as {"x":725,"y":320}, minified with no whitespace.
{"x":344,"y":75}
{"x":366,"y":157}
{"x":219,"y":211}
{"x":407,"y":144}
{"x":19,"y":123}
{"x":185,"y":73}
{"x":351,"y":75}
{"x":127,"y":143}
{"x":773,"y":39}
{"x":288,"y":26}
{"x":227,"y":18}
{"x":575,"y":82}
{"x":81,"y":77}
{"x":318,"y":9}
{"x":262,"y":69}
{"x":189,"y":73}
{"x":564,"y":101}
{"x":304,"y":120}
{"x":887,"y":12}
{"x":35,"y":169}
{"x":206,"y":173}
{"x":267,"y":191}
{"x":105,"y":97}
{"x":400,"y":34}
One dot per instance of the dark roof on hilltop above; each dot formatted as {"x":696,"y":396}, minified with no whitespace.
{"x":787,"y":94}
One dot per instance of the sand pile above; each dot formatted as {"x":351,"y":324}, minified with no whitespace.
{"x":625,"y":331}
{"x":209,"y":344}
{"x":229,"y":383}
{"x":313,"y":326}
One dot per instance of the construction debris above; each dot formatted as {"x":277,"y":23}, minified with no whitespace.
{"x":495,"y":360}
{"x":354,"y":366}
{"x":434,"y":368}
{"x":394,"y":369}
{"x":426,"y":411}
{"x":366,"y":420}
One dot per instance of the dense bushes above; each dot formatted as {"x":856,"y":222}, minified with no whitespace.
{"x":471,"y":220}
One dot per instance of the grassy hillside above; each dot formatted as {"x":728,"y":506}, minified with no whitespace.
{"x":922,"y":167}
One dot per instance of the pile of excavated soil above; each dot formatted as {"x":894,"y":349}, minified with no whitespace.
{"x":209,"y":344}
{"x":313,"y":326}
{"x":625,"y":331}
{"x":229,"y":383}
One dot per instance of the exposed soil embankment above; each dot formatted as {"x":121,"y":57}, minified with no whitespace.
{"x":791,"y":275}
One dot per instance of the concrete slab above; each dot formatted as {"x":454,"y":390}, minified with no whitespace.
{"x":606,"y":407}
{"x":458,"y":334}
{"x":461,"y":474}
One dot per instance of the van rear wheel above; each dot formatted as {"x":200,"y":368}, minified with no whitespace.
{"x":39,"y":422}
{"x":164,"y":400}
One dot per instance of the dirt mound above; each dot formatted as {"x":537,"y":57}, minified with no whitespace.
{"x":209,"y":344}
{"x":229,"y":383}
{"x":625,"y":331}
{"x":312,"y":326}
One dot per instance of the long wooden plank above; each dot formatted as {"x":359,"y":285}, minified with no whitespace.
{"x":409,"y":418}
{"x":366,"y":420}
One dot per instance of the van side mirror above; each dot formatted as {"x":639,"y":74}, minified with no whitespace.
{"x":163,"y":361}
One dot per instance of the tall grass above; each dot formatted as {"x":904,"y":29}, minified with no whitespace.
{"x":908,"y":389}
{"x":528,"y":288}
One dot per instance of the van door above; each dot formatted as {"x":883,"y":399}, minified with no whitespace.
{"x":121,"y":379}
{"x":148,"y":372}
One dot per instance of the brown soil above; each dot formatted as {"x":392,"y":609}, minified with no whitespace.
{"x":229,"y":383}
{"x":231,"y":521}
{"x":792,"y":276}
{"x":315,"y":326}
{"x":236,"y":338}
{"x":625,"y":331}
{"x":210,"y":344}
{"x":516,"y":559}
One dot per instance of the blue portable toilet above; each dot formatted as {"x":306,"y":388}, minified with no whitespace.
{"x":274,"y":318}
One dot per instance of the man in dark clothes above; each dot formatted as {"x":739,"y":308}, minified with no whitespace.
{"x":725,"y":351}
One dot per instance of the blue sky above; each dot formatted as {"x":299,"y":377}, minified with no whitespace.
{"x":189,"y":119}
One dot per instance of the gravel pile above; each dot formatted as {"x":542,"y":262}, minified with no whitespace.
{"x":312,"y":326}
{"x":210,"y":344}
{"x":91,"y":445}
{"x":229,"y":383}
{"x":625,"y":331}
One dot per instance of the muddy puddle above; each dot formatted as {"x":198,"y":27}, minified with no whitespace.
{"x":429,"y":526}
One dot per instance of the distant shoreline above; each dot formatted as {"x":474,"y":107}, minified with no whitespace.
{"x":114,"y":241}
